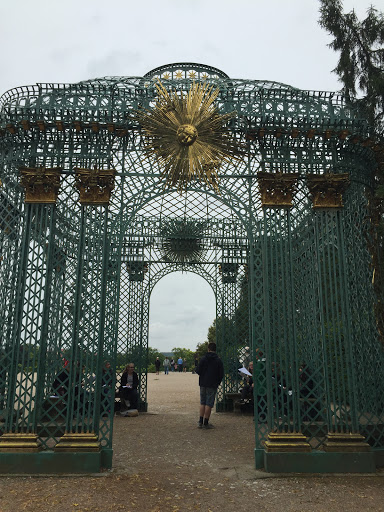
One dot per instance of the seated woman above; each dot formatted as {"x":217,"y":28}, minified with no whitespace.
{"x":128,"y":388}
{"x":247,"y":391}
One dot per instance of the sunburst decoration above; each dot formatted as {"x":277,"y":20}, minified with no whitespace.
{"x":182,"y":240}
{"x":187,"y":135}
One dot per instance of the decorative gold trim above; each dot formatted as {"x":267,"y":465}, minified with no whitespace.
{"x":41,"y":185}
{"x":287,"y":442}
{"x":95,"y":185}
{"x":277,"y":189}
{"x":187,"y":136}
{"x":80,"y":442}
{"x":346,"y":442}
{"x":327,"y":189}
{"x":15,"y":443}
{"x":41,"y":125}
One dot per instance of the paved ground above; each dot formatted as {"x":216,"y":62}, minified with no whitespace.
{"x":163,"y":462}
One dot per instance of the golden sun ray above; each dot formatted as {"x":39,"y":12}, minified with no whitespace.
{"x":187,"y":136}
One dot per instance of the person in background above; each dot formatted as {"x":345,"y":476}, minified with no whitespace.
{"x":211,"y":373}
{"x":247,"y":391}
{"x":166,"y":364}
{"x":195,"y":364}
{"x":157,"y":365}
{"x":172,"y":363}
{"x":129,"y":385}
{"x":180,"y":364}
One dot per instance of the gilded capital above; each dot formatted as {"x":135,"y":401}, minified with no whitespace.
{"x":41,"y":184}
{"x":277,"y":189}
{"x":327,"y":189}
{"x":95,"y":186}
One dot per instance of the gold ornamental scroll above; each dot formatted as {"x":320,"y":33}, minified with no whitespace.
{"x":95,"y":186}
{"x":327,"y":189}
{"x":41,"y":184}
{"x":277,"y":188}
{"x":186,"y":136}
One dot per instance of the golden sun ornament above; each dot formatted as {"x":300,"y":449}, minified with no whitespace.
{"x":187,"y":135}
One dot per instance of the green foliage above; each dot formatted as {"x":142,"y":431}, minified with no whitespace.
{"x":139,"y":356}
{"x":185,"y":353}
{"x":212,"y":333}
{"x":152,"y":354}
{"x":201,"y":349}
{"x":361,"y":56}
{"x":360,"y":69}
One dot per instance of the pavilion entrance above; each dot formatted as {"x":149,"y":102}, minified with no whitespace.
{"x":261,"y":189}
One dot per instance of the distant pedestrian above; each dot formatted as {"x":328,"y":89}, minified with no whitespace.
{"x":180,"y":364}
{"x":157,"y":365}
{"x":166,"y":364}
{"x":172,"y":363}
{"x":211,"y":373}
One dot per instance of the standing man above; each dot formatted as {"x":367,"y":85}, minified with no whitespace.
{"x":180,"y":364}
{"x":211,"y":373}
{"x":157,"y":365}
{"x":166,"y":364}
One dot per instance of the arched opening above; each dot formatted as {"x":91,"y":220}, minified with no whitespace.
{"x":182,"y":307}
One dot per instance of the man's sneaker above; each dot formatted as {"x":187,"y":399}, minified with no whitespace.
{"x":208,"y":426}
{"x":199,"y":425}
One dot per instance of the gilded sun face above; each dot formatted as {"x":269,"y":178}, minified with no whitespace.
{"x":187,"y":136}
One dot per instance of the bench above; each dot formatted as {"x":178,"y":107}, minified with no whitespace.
{"x":231,"y":399}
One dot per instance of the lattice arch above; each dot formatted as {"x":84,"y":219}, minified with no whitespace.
{"x":87,"y":228}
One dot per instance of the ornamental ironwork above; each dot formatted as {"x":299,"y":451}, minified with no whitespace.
{"x":182,"y":241}
{"x":273,"y":208}
{"x":41,"y":185}
{"x":95,"y":185}
{"x":277,"y":189}
{"x":327,"y":190}
{"x":187,"y":135}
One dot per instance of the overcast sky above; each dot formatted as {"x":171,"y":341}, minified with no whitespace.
{"x":72,"y":40}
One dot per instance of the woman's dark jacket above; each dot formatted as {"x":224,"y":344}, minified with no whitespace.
{"x":135,"y":382}
{"x":210,"y":370}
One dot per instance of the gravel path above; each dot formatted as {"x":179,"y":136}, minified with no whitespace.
{"x":163,"y":462}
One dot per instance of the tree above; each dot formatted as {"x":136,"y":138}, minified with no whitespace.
{"x":185,"y":353}
{"x":361,"y":60}
{"x":212,"y":332}
{"x":361,"y":71}
{"x":201,"y":349}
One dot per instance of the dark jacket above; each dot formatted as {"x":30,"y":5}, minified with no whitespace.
{"x":135,"y":383}
{"x":210,"y":370}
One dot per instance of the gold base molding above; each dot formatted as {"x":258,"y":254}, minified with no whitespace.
{"x":15,"y":443}
{"x":78,"y":443}
{"x":345,"y":442}
{"x":287,"y":442}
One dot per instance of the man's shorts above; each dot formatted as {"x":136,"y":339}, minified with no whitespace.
{"x":207,"y":396}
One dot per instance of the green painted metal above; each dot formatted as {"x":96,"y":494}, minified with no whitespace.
{"x":319,"y":462}
{"x":48,"y":462}
{"x":293,"y":285}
